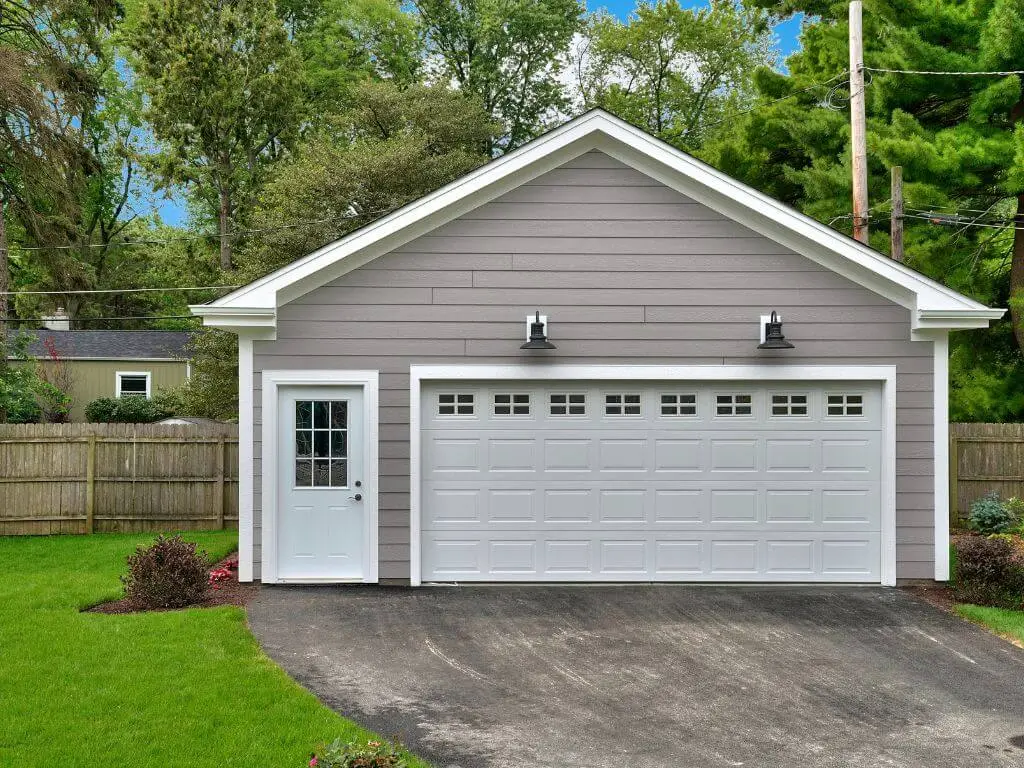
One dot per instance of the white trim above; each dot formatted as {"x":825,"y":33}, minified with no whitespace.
{"x":886,"y":374}
{"x":941,"y":447}
{"x":246,"y":460}
{"x":932,"y":304}
{"x":117,"y":382}
{"x":370,"y":382}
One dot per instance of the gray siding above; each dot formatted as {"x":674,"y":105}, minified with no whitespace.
{"x":630,"y":272}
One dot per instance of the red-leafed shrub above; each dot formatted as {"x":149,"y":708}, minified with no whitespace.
{"x":170,"y":573}
{"x":989,"y":571}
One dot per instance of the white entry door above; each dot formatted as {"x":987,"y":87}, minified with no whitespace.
{"x":321,"y":520}
{"x":651,"y":481}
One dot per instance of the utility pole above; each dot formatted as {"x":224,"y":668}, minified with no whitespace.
{"x":858,"y":129}
{"x":896,"y":220}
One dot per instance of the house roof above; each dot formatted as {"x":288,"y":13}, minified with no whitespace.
{"x":934,"y":306}
{"x":113,"y":345}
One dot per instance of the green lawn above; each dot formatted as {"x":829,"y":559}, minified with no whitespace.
{"x":183,"y":688}
{"x":1001,"y":620}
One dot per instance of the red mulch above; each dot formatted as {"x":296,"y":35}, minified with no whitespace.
{"x":228,"y":592}
{"x":939,"y":595}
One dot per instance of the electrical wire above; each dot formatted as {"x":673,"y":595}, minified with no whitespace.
{"x":756,"y":107}
{"x":1003,"y":73}
{"x":97,"y":319}
{"x":117,"y":290}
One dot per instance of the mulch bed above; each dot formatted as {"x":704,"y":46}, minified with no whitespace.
{"x":228,"y":592}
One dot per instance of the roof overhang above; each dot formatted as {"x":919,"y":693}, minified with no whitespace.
{"x":252,"y":309}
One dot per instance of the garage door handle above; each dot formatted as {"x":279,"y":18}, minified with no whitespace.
{"x":357,"y":497}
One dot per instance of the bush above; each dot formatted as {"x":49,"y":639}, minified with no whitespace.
{"x":989,"y":571}
{"x":132,"y":409}
{"x":375,"y":754}
{"x":990,"y":515}
{"x":169,"y":573}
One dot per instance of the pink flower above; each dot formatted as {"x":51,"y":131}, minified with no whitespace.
{"x":313,"y":762}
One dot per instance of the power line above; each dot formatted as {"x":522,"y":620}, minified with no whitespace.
{"x":1003,"y":73}
{"x":947,"y":220}
{"x":97,"y":319}
{"x":763,"y":105}
{"x":116,"y":290}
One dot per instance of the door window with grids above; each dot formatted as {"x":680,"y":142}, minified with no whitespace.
{"x":684,"y":404}
{"x":789,"y":404}
{"x":568,"y":404}
{"x":844,"y":404}
{"x":734,"y":405}
{"x":622,"y":404}
{"x":321,"y":444}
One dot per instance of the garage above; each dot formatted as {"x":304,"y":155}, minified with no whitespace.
{"x":636,"y":480}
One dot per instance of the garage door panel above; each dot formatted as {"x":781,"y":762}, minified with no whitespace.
{"x":650,"y":496}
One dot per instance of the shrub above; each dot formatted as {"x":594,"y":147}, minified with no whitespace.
{"x":374,"y":754}
{"x":990,"y":515}
{"x":169,"y":573}
{"x":166,"y":403}
{"x":989,"y":571}
{"x":132,"y":409}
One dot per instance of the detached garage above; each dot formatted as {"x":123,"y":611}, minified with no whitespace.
{"x":594,"y":359}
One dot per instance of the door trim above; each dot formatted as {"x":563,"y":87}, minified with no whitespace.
{"x":272,"y":381}
{"x":885,"y":374}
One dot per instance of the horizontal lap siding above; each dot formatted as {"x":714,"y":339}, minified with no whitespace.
{"x":630,"y":272}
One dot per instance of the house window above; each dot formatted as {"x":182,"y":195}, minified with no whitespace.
{"x":622,"y":404}
{"x":679,"y":405}
{"x":789,"y":405}
{"x":132,"y":384}
{"x":455,"y":404}
{"x":568,"y":404}
{"x":517,"y":404}
{"x":844,"y":405}
{"x":321,"y":443}
{"x":734,"y":405}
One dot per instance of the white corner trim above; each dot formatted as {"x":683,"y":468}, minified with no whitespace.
{"x":117,"y":382}
{"x":246,"y":461}
{"x":941,"y":443}
{"x":370,"y":383}
{"x":885,"y":374}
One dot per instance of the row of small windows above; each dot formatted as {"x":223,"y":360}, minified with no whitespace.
{"x":631,"y":404}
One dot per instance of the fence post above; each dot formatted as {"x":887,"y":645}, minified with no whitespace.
{"x":90,"y":485}
{"x":221,"y":463}
{"x":954,"y":482}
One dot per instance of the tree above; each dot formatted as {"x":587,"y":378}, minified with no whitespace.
{"x":959,"y":140}
{"x":392,"y":147}
{"x":505,"y":52}
{"x":224,"y":91}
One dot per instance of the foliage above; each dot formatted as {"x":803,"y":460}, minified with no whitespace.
{"x":17,"y":382}
{"x":169,"y":573}
{"x":212,"y":390}
{"x":990,"y":571}
{"x":507,"y":53}
{"x":393,"y":147}
{"x":130,"y":409}
{"x":958,"y":140}
{"x":374,"y":754}
{"x":674,"y":72}
{"x":990,"y":514}
{"x":224,"y":90}
{"x":54,"y":385}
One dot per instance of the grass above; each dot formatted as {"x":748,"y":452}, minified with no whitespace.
{"x":182,"y":688}
{"x":999,"y":620}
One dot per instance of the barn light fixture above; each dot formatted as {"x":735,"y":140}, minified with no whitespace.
{"x":773,"y":338}
{"x":537,"y":333}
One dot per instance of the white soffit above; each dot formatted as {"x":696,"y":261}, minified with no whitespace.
{"x":934,"y":305}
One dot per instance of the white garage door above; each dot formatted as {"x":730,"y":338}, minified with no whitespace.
{"x":620,"y":481}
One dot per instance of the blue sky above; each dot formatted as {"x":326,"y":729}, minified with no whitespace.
{"x":173,"y":211}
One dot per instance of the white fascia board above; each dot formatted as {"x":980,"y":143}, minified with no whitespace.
{"x":599,"y":130}
{"x":238,"y":319}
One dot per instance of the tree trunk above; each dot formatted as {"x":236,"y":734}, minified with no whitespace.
{"x":224,"y":220}
{"x":5,"y":282}
{"x":1017,"y":274}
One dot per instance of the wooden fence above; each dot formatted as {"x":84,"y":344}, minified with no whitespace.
{"x":80,"y":478}
{"x":983,"y":458}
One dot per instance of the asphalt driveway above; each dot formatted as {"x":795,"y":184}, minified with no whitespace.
{"x":654,"y":676}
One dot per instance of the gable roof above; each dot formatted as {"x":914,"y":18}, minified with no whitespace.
{"x":254,"y":306}
{"x":113,"y":345}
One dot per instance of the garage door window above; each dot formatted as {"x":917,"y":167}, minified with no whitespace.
{"x":789,"y":405}
{"x":455,"y":404}
{"x":567,"y":404}
{"x":622,"y":404}
{"x":734,"y":405}
{"x":679,"y":404}
{"x":512,"y":404}
{"x":845,"y":405}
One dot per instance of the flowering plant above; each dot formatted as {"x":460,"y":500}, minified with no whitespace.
{"x":223,"y":573}
{"x":373,"y":754}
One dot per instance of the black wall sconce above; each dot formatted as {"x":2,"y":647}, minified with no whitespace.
{"x":538,"y":333}
{"x":773,"y":338}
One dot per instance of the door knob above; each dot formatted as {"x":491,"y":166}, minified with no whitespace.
{"x":357,"y":497}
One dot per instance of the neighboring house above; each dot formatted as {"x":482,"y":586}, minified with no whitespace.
{"x":393,"y":428}
{"x":116,"y":363}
